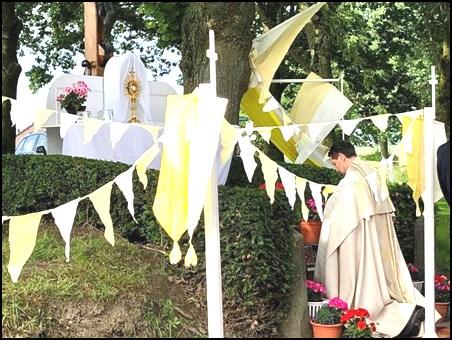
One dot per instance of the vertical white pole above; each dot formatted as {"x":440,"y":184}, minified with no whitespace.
{"x":429,"y":219}
{"x":212,"y":230}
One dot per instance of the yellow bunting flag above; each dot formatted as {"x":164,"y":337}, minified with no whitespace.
{"x":143,"y":162}
{"x":41,"y":117}
{"x":414,"y":155}
{"x":22,"y":239}
{"x":101,"y":202}
{"x":190,"y":142}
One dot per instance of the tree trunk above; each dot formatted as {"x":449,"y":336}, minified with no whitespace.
{"x":231,"y":23}
{"x":11,"y":28}
{"x":384,"y":150}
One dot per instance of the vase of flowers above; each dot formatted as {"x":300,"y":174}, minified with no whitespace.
{"x":310,"y":229}
{"x":327,"y":322}
{"x":416,"y":276}
{"x":357,"y":324}
{"x":442,"y":294}
{"x":316,"y":296}
{"x":73,"y":97}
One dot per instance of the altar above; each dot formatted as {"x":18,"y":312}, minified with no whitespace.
{"x":116,"y":140}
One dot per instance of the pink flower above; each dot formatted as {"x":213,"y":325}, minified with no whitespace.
{"x":338,"y":303}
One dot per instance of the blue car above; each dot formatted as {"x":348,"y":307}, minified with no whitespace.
{"x":33,"y":144}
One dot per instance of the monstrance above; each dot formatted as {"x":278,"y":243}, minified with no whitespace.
{"x":132,"y":87}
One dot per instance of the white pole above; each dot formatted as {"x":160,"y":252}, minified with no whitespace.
{"x":429,"y":220}
{"x":212,"y":230}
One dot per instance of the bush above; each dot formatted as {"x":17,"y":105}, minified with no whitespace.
{"x":256,"y":237}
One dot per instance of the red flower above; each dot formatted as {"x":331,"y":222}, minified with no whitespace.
{"x":278,"y":186}
{"x":361,"y":325}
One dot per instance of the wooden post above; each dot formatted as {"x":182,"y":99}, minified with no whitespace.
{"x":94,"y":53}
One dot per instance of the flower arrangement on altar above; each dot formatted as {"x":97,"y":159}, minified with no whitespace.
{"x":442,"y":288}
{"x":414,"y":272}
{"x":331,"y":313}
{"x":73,"y":97}
{"x":316,"y":291}
{"x":357,"y":324}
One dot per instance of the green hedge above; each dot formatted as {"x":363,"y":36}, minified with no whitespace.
{"x":256,"y":237}
{"x":401,"y":196}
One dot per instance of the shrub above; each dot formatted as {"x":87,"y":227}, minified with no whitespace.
{"x":256,"y":237}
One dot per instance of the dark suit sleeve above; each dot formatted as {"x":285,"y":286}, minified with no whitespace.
{"x":443,"y":169}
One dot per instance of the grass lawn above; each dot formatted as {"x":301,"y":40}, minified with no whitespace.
{"x":442,"y":225}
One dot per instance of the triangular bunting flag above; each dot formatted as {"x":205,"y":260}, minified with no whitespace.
{"x":117,"y":130}
{"x":91,"y":126}
{"x":288,"y":181}
{"x":67,"y":120}
{"x":143,"y":162}
{"x":124,"y":182}
{"x":64,"y":219}
{"x":317,"y":196}
{"x":247,"y":154}
{"x":348,"y":126}
{"x":380,"y":121}
{"x":269,"y":169}
{"x":22,"y":239}
{"x":101,"y":202}
{"x":41,"y":117}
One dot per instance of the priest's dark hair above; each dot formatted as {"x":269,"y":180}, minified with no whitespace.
{"x":344,"y":147}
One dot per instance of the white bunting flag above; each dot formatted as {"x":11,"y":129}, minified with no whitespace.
{"x":247,"y":154}
{"x":288,"y":131}
{"x":117,"y":130}
{"x":348,"y":126}
{"x":288,"y":181}
{"x":317,"y":196}
{"x":124,"y":182}
{"x":266,"y":134}
{"x":269,"y":169}
{"x":67,"y":120}
{"x":380,"y":121}
{"x":64,"y":219}
{"x":101,"y":202}
{"x":91,"y":126}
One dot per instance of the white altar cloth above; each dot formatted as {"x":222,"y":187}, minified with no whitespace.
{"x":128,"y":149}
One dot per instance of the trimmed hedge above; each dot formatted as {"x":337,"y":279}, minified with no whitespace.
{"x":401,"y":196}
{"x":256,"y":237}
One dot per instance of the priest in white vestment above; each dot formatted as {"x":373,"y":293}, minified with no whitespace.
{"x":359,"y":257}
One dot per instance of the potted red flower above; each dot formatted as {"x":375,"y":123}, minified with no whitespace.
{"x":357,"y":324}
{"x":416,"y":276}
{"x":442,"y":294}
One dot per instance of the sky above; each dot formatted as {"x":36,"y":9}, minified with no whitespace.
{"x":40,"y":98}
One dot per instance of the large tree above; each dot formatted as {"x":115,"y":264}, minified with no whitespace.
{"x":11,"y":27}
{"x":232,"y":23}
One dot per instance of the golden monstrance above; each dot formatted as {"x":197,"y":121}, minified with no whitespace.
{"x":132,"y":87}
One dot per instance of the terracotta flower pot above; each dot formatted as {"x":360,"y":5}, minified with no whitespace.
{"x":310,"y":231}
{"x":326,"y":331}
{"x":442,"y":308}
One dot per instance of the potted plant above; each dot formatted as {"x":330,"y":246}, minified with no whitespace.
{"x":327,"y":322}
{"x":442,"y":294}
{"x":310,"y":229}
{"x":357,"y":324}
{"x":316,"y":296}
{"x":73,"y":97}
{"x":416,"y":276}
